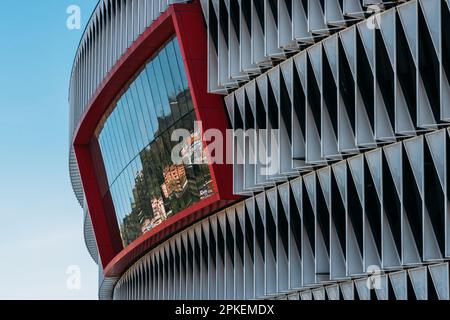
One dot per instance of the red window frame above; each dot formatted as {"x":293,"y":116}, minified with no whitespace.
{"x":186,"y":22}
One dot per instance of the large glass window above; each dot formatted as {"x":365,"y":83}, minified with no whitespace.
{"x":146,"y":187}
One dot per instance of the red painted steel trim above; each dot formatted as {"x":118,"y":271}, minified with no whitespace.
{"x":105,"y":228}
{"x":209,"y":108}
{"x":186,"y":22}
{"x":122,"y":73}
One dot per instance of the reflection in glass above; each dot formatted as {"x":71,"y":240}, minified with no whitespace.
{"x":146,"y":187}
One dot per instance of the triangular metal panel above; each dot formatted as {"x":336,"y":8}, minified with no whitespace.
{"x":346,"y":137}
{"x":414,"y":150}
{"x":310,"y":183}
{"x":324,"y":176}
{"x":425,"y":117}
{"x":331,"y":46}
{"x":333,"y":292}
{"x":387,"y":28}
{"x":408,"y":16}
{"x":437,"y":144}
{"x":445,"y":98}
{"x":440,"y":277}
{"x":250,"y":90}
{"x":419,"y":282}
{"x":399,"y":284}
{"x":315,"y":56}
{"x":381,"y":288}
{"x":383,"y":127}
{"x":393,"y":155}
{"x":286,"y":70}
{"x":353,"y":8}
{"x":283,"y":191}
{"x":300,"y":64}
{"x":368,"y":39}
{"x":374,"y":161}
{"x":272,"y":196}
{"x":262,"y":83}
{"x":296,"y":186}
{"x":348,"y":38}
{"x":363,"y":289}
{"x":333,"y":13}
{"x":356,"y":165}
{"x":294,"y":296}
{"x":340,"y":174}
{"x":229,"y":103}
{"x":364,"y":132}
{"x":316,"y":20}
{"x":319,"y":294}
{"x":274,"y":77}
{"x":432,"y":12}
{"x":403,"y":122}
{"x":306,"y":295}
{"x":284,"y":26}
{"x":329,"y":140}
{"x":271,"y":47}
{"x":348,"y":290}
{"x":300,"y":22}
{"x":257,"y":46}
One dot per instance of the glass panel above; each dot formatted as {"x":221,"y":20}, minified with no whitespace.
{"x":106,"y":154}
{"x":146,"y":118}
{"x":169,"y":83}
{"x":135,"y":137}
{"x":177,"y":78}
{"x":146,"y":187}
{"x":113,"y":142}
{"x":124,"y":133}
{"x":184,"y":79}
{"x":150,"y":104}
{"x":163,"y":92}
{"x":156,"y":97}
{"x":141,"y":128}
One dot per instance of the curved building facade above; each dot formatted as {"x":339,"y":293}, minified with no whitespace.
{"x":335,"y":184}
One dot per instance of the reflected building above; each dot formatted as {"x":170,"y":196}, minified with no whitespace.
{"x":174,"y":180}
{"x":357,"y":103}
{"x":159,"y":215}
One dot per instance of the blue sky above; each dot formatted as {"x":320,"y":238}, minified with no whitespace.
{"x":40,"y":220}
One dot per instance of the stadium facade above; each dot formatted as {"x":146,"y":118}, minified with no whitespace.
{"x":347,"y":101}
